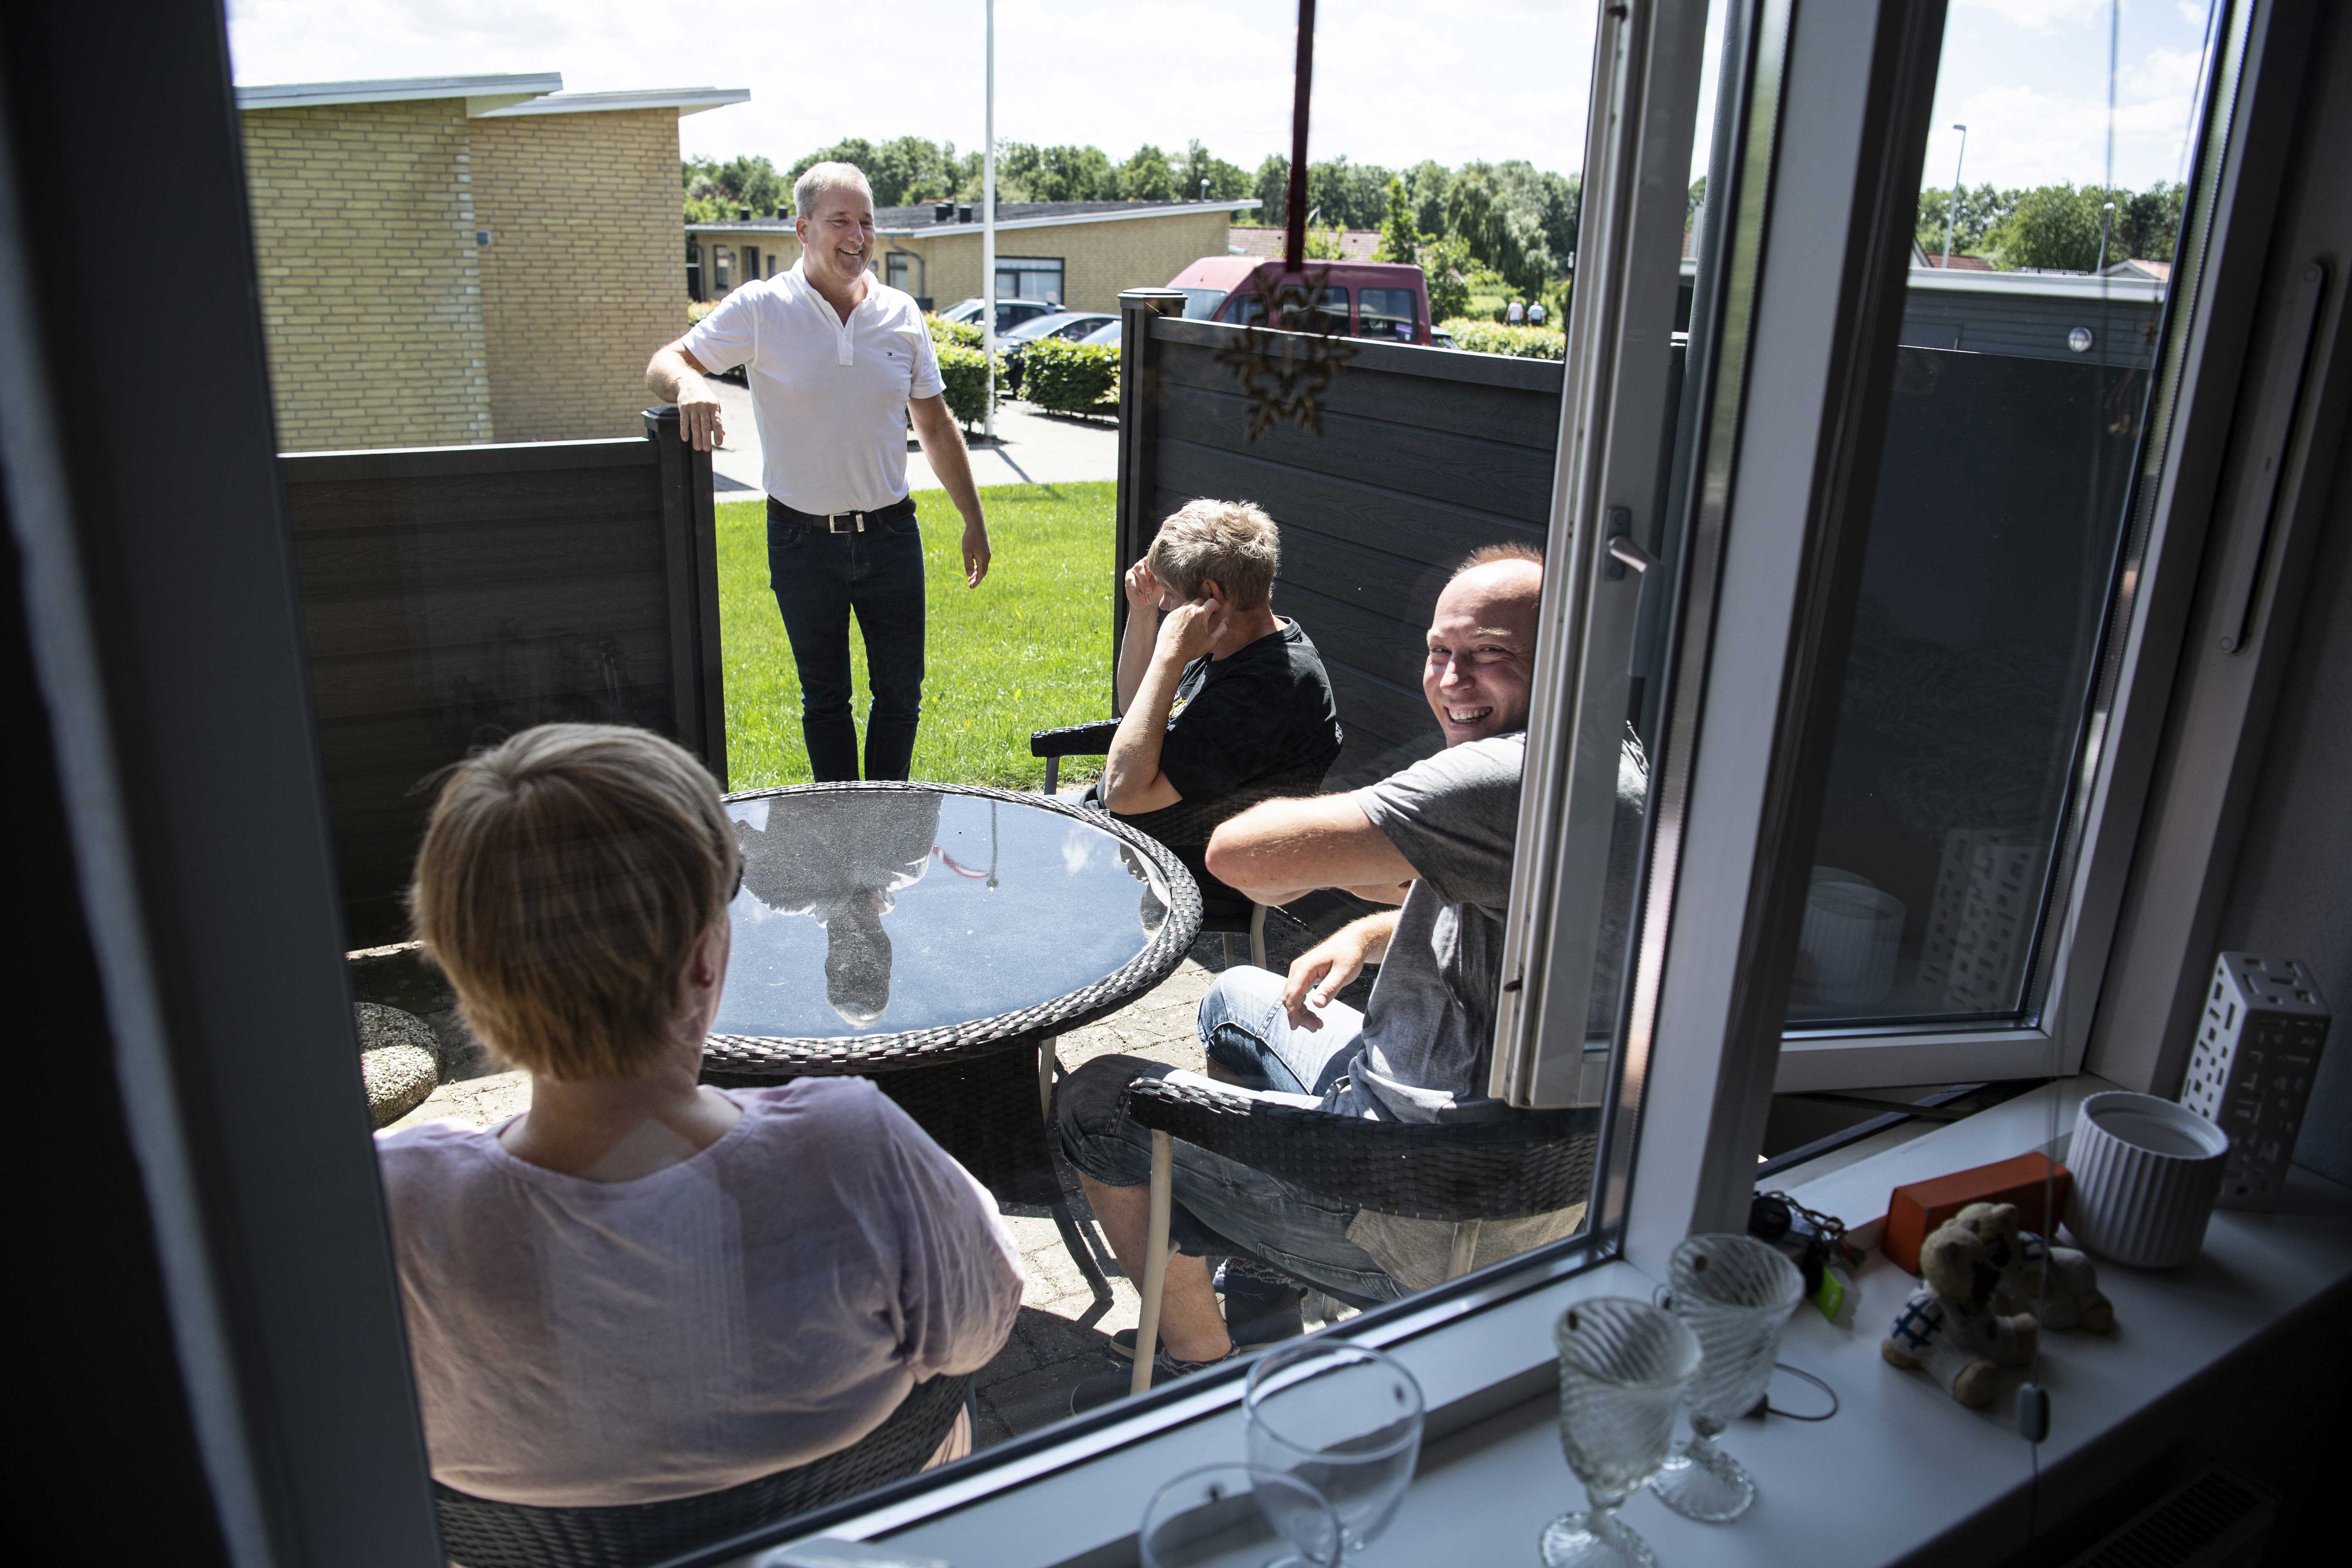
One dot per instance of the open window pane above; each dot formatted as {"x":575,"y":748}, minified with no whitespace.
{"x":1989,"y":610}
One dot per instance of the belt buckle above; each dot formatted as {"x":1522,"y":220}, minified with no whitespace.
{"x":832,"y":522}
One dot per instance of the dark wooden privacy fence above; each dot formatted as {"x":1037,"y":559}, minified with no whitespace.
{"x":454,"y":595}
{"x":1424,"y":455}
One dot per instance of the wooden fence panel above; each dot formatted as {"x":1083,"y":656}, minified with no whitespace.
{"x":453,"y":595}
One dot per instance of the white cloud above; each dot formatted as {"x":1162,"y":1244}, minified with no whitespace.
{"x":1394,"y":82}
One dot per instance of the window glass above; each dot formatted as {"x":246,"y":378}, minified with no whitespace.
{"x":1388,"y":313}
{"x":443,"y":627}
{"x":1199,"y":304}
{"x":1991,"y":584}
{"x":1029,"y":278}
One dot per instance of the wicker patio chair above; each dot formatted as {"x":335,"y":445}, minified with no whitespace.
{"x":480,"y":1533}
{"x":1460,"y":1172}
{"x":1185,"y":826}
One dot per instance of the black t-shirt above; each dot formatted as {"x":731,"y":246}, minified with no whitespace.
{"x":1264,"y":709}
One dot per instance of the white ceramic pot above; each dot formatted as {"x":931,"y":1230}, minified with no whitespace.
{"x":2146,"y":1172}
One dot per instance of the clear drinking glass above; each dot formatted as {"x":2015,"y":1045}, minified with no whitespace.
{"x":1736,"y":1293}
{"x":1232,"y":1516}
{"x":1624,"y":1366}
{"x":1345,"y":1419}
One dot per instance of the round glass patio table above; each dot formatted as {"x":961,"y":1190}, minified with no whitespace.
{"x":886,"y":927}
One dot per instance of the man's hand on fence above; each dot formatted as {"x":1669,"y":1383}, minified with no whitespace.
{"x":699,"y":422}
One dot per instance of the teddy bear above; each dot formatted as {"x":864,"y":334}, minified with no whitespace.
{"x":2057,"y":1284}
{"x":1951,"y":1327}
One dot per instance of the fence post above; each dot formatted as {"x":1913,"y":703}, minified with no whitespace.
{"x":691,"y":562}
{"x":1139,"y":480}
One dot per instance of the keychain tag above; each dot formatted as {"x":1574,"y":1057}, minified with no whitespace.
{"x":1830,"y":1297}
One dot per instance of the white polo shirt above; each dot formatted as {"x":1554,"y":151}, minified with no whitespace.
{"x":829,"y":397}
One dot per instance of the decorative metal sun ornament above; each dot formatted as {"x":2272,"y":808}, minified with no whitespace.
{"x":1286,"y":372}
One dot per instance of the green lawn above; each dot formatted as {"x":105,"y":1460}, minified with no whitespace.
{"x":1027,"y":650}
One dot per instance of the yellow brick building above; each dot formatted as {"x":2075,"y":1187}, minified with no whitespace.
{"x":1080,"y":254}
{"x":463,"y":258}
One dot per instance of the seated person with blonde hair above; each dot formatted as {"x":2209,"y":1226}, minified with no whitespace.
{"x":643,"y":1289}
{"x":1216,"y":693}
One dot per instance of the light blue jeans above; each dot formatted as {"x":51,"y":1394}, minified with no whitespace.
{"x":1246,"y":1031}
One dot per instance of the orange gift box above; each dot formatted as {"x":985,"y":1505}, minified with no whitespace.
{"x":2036,"y":1184}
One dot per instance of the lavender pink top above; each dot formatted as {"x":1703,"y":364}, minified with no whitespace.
{"x":760,"y":1305}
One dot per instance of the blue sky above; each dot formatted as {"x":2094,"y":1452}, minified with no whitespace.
{"x":1394,"y":82}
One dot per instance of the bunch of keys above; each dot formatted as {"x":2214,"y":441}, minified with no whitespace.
{"x":1815,"y":1240}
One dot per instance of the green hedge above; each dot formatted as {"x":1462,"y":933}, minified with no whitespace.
{"x":1518,"y":343}
{"x":965,"y":371}
{"x":963,"y":334}
{"x":1064,"y":377}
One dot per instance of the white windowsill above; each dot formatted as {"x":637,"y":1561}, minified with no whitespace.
{"x":1925,"y":1466}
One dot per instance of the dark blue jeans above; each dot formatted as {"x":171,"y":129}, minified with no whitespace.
{"x":820,"y":579}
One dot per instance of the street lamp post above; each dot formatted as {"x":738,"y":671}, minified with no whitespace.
{"x":988,"y":226}
{"x":1952,"y":213}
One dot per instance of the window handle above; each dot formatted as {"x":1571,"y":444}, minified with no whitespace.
{"x":1623,"y":550}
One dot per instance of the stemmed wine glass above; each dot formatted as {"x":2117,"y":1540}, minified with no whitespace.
{"x":1624,"y":1366}
{"x":1345,"y":1419}
{"x":1230,"y":1516}
{"x":1736,"y":1293}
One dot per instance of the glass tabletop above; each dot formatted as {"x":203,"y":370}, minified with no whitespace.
{"x":878,"y":912}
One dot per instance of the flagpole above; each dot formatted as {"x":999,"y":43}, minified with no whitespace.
{"x":988,"y":225}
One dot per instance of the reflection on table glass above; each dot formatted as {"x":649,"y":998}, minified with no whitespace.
{"x":882,"y":910}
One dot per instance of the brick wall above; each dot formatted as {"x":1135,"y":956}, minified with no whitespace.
{"x":370,"y":292}
{"x":585,"y":274}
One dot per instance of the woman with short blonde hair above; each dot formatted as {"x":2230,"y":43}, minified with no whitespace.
{"x":645,"y":1288}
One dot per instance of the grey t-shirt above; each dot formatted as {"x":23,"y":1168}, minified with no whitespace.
{"x":1429,"y":1027}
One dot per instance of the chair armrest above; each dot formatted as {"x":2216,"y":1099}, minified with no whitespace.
{"x":1527,"y":1162}
{"x":1073,"y":739}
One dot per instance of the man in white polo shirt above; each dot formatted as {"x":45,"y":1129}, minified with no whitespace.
{"x":838,"y":360}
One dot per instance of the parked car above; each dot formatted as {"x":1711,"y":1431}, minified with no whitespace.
{"x":1010,"y":313}
{"x":1105,"y":337}
{"x":1070,"y":324}
{"x":1384,"y":299}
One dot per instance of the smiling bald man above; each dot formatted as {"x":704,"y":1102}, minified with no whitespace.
{"x":838,"y":363}
{"x":1436,"y":840}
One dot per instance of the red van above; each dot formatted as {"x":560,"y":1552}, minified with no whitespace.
{"x":1383,"y":299}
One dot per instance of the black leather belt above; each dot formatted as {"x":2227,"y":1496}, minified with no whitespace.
{"x":843,"y":521}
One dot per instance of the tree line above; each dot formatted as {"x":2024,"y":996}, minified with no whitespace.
{"x":2057,"y":227}
{"x":1510,"y":217}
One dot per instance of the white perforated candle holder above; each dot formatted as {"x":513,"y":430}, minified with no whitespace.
{"x":2257,"y":1052}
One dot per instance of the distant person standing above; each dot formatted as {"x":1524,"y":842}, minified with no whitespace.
{"x":1516,"y":315}
{"x":838,"y":360}
{"x":1536,"y":315}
